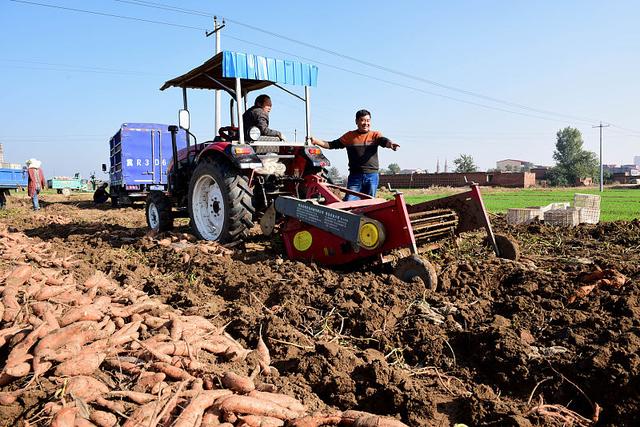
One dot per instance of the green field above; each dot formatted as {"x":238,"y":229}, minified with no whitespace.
{"x":616,"y":203}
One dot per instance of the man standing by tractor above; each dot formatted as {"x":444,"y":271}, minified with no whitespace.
{"x":258,"y":116}
{"x":36,"y":181}
{"x":101,"y":195}
{"x":362,"y":149}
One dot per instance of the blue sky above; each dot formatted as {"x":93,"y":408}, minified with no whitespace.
{"x":69,"y":79}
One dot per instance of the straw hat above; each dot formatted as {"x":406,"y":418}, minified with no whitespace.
{"x":33,"y":163}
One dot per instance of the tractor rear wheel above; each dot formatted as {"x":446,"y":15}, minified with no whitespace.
{"x":158,"y":212}
{"x":415,"y":266}
{"x":220,"y":202}
{"x":507,"y":246}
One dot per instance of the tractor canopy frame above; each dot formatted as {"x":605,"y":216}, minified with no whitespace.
{"x":240,"y":73}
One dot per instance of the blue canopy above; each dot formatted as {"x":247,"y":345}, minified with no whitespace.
{"x":256,"y":72}
{"x":255,"y":67}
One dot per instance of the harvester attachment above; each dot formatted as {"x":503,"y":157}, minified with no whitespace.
{"x":457,"y":214}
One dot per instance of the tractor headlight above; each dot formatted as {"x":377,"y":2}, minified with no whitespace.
{"x":254,"y":133}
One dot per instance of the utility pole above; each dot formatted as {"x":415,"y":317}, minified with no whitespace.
{"x":216,"y":31}
{"x":601,"y":165}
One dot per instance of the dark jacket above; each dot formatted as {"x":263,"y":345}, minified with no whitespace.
{"x":362,"y":149}
{"x":256,"y":116}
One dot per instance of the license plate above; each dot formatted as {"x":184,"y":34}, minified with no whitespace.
{"x":156,"y":187}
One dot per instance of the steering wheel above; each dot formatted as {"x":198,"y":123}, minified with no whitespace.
{"x":228,"y":133}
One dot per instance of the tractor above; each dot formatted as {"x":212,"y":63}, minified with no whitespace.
{"x":240,"y":178}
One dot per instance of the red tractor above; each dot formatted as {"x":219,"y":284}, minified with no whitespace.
{"x":227,"y":185}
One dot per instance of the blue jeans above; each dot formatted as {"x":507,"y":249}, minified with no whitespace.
{"x":34,"y":199}
{"x":366,"y":183}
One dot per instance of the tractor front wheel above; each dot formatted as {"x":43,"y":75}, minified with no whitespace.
{"x":220,"y":202}
{"x":158,"y":212}
{"x":415,"y":266}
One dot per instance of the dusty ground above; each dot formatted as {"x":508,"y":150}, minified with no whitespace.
{"x":499,"y":344}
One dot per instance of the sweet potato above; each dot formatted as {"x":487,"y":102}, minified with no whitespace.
{"x":20,"y":369}
{"x":117,"y":407}
{"x":364,"y":419}
{"x":48,"y":292}
{"x":134,"y":396}
{"x":253,"y":406}
{"x":10,"y":303}
{"x":172,"y":371}
{"x":85,"y":363}
{"x":123,"y":365}
{"x":83,"y":422}
{"x":281,"y":399}
{"x":19,"y":276}
{"x":264,"y":358}
{"x":86,"y":388}
{"x":316,"y":421}
{"x":148,"y":380}
{"x":9,"y":397}
{"x":176,"y":328}
{"x":144,"y":415}
{"x":73,"y":297}
{"x":130,"y":310}
{"x":65,"y":417}
{"x":154,"y":322}
{"x":103,"y":419}
{"x":8,"y":333}
{"x":210,"y":419}
{"x":237,"y":383}
{"x":18,"y":353}
{"x":157,"y":354}
{"x":33,"y":288}
{"x":196,"y":407}
{"x":89,"y":312}
{"x":179,"y":348}
{"x":258,"y":421}
{"x":72,"y":336}
{"x":99,"y":280}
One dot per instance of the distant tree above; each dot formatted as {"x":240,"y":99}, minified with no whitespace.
{"x":464,"y":164}
{"x":394,"y":168}
{"x":572,"y":161}
{"x":334,"y":174}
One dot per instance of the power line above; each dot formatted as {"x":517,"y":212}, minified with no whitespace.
{"x":354,"y":59}
{"x":111,"y":15}
{"x":477,"y":104}
{"x":287,"y":53}
{"x":331,"y":52}
{"x":73,"y":67}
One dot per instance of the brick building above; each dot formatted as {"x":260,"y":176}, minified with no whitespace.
{"x":497,"y":179}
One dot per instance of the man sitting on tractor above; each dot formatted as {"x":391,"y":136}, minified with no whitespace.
{"x":258,"y":116}
{"x":362,"y":149}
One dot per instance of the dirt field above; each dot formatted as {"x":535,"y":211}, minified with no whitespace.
{"x":531,"y":342}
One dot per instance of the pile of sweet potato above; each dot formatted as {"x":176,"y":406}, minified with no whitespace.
{"x":120,"y":357}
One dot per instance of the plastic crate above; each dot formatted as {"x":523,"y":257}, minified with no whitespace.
{"x":589,"y":215}
{"x":524,"y":215}
{"x":586,"y":201}
{"x":562,"y":217}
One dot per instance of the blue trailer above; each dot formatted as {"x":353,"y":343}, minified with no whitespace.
{"x":139,"y":156}
{"x":11,"y":179}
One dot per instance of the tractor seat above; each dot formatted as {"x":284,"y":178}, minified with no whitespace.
{"x":264,"y":149}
